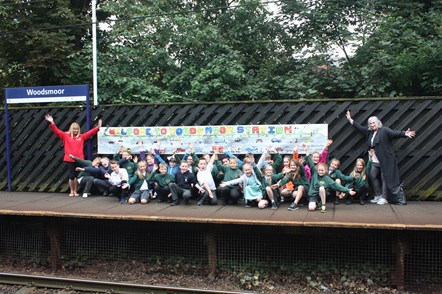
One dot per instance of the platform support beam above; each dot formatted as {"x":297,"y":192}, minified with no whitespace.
{"x":400,"y":249}
{"x":211,"y":251}
{"x":53,"y":233}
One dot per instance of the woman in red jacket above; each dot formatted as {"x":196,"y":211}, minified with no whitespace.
{"x":73,"y":143}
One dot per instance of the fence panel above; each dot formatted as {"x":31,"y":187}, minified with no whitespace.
{"x":36,"y":154}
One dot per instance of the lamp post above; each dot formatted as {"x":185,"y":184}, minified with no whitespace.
{"x":94,"y":51}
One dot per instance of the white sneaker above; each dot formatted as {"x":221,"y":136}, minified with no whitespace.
{"x":85,"y":195}
{"x":382,"y":201}
{"x":375,"y":199}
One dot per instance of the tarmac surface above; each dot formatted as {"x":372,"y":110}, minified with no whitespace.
{"x":417,"y":215}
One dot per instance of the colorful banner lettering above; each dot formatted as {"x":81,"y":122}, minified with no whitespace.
{"x":237,"y":139}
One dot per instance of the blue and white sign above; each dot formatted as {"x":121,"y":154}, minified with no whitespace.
{"x":46,"y":94}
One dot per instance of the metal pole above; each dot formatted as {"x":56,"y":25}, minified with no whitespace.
{"x":88,"y":123}
{"x":94,"y":50}
{"x":8,"y":149}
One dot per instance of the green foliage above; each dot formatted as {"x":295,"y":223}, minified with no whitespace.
{"x":163,"y":53}
{"x":191,"y":51}
{"x":31,"y":53}
{"x":402,"y":56}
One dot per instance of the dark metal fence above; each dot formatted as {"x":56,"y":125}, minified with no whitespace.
{"x":401,"y":258}
{"x":37,"y":153}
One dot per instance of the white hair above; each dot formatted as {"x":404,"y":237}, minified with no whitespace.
{"x":375,"y":119}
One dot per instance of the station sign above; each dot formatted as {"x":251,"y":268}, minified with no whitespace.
{"x":46,"y":94}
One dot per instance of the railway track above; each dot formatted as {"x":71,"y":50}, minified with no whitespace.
{"x":97,"y":286}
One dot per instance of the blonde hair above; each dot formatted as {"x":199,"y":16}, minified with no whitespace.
{"x":162,"y":164}
{"x":355,"y":170}
{"x":139,"y":172}
{"x":316,"y":153}
{"x":71,"y":129}
{"x":334,"y":159}
{"x":245,"y":165}
{"x":324,"y":165}
{"x":233,"y":159}
{"x":97,"y":159}
{"x":269,"y":181}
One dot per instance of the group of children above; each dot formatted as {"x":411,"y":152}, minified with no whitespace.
{"x":269,"y":182}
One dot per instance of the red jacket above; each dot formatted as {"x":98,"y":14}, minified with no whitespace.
{"x":73,"y":145}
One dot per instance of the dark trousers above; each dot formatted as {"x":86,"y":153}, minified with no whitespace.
{"x":103,"y":186}
{"x":377,"y":181}
{"x":162,"y":192}
{"x":178,"y":192}
{"x":229,"y":195}
{"x":205,"y":198}
{"x":86,"y":184}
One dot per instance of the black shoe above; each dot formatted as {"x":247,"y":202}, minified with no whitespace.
{"x":282,"y":200}
{"x":224,"y":203}
{"x":248,"y":204}
{"x":274,"y":205}
{"x":123,"y":200}
{"x":337,"y":202}
{"x":174,"y":203}
{"x":361,"y":201}
{"x":170,"y":200}
{"x":105,"y":193}
{"x":200,"y":203}
{"x":349,"y":201}
{"x":293,"y":207}
{"x":186,"y":201}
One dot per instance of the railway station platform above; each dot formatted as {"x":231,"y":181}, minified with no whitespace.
{"x":403,"y":241}
{"x":417,"y":215}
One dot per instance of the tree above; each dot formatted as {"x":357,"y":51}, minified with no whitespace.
{"x":37,"y":37}
{"x":189,"y":51}
{"x":225,"y":50}
{"x":401,"y":58}
{"x":395,"y":47}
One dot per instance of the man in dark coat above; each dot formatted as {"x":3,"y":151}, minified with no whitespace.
{"x":380,"y":139}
